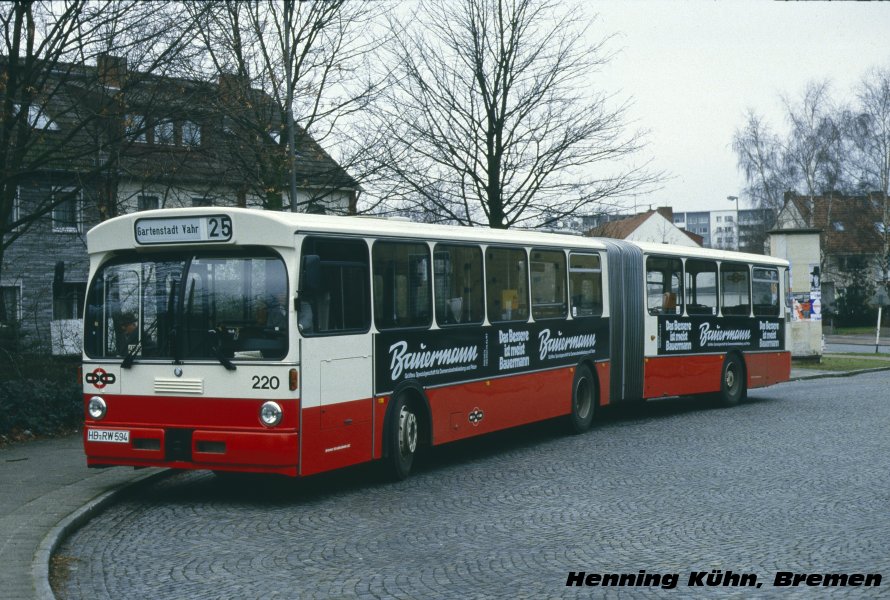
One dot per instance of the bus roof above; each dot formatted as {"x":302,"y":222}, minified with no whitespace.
{"x":272,"y":228}
{"x":709,"y":253}
{"x":257,"y":227}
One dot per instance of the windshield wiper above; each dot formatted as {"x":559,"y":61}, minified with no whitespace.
{"x":216,"y":346}
{"x":131,"y":355}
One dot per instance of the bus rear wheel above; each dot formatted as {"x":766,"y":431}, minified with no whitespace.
{"x":583,"y":400}
{"x":402,"y":439}
{"x":732,"y":381}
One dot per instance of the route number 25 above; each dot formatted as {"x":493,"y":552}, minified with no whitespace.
{"x":219,"y":228}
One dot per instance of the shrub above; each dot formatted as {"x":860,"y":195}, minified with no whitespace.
{"x":39,"y":394}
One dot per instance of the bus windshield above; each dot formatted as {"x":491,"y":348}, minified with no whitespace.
{"x":207,"y":306}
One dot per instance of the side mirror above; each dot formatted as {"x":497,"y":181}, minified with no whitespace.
{"x":310,"y":274}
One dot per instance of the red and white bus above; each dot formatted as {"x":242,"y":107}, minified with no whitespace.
{"x":243,"y":340}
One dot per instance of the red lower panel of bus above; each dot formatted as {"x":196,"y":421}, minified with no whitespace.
{"x":224,"y":433}
{"x":336,"y":435}
{"x":193,"y":433}
{"x":767,"y":369}
{"x":465,"y":410}
{"x":687,"y":375}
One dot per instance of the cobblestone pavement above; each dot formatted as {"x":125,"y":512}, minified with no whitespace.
{"x":794,"y":479}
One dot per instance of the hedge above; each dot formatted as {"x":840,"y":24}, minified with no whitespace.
{"x":41,"y":406}
{"x":39,"y":393}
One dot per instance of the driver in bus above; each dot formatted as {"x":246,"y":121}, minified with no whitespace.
{"x":128,"y":334}
{"x":276,"y":311}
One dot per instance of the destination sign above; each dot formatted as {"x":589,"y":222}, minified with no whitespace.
{"x":178,"y":230}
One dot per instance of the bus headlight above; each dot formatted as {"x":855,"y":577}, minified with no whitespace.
{"x":97,"y":407}
{"x":270,"y":414}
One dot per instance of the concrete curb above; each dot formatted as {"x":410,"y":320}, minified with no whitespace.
{"x":40,"y":566}
{"x":824,"y":375}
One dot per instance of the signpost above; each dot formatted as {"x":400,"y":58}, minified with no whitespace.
{"x":880,"y":299}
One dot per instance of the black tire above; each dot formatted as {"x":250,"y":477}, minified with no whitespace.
{"x":732,"y":381}
{"x":402,"y":439}
{"x":584,"y":396}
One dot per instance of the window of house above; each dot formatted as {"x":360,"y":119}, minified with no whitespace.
{"x":402,"y":285}
{"x":506,"y":271}
{"x":729,"y":218}
{"x":134,"y":128}
{"x":766,"y":292}
{"x":735,"y":286}
{"x":191,"y":133}
{"x":147,"y":203}
{"x":664,"y":285}
{"x":66,"y":210}
{"x":335,"y":292}
{"x":460,"y":295}
{"x":16,"y":205}
{"x":701,"y":287}
{"x":548,"y":284}
{"x":719,"y":219}
{"x":68,"y":300}
{"x":163,"y":133}
{"x":10,"y":312}
{"x":585,"y":285}
{"x":37,"y":117}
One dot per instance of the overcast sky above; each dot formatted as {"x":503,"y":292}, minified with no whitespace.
{"x":693,"y":67}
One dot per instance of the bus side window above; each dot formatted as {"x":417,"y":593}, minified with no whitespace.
{"x":735,"y":286}
{"x":403,"y":288}
{"x":701,"y":287}
{"x":766,"y":292}
{"x":548,"y":285}
{"x":458,"y":281}
{"x":585,"y":285}
{"x":506,"y":273}
{"x":334,"y":293}
{"x":664,"y":288}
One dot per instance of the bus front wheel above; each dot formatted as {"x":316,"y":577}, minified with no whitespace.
{"x":583,"y":400}
{"x":402,"y":439}
{"x":732,"y":381}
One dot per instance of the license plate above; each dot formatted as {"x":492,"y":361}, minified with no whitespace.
{"x":115,"y":436}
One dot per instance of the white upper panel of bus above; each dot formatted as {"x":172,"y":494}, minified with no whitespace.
{"x":256,"y":227}
{"x":271,"y":228}
{"x":708,"y":253}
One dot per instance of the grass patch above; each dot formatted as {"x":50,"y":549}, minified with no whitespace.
{"x":854,"y":330}
{"x":843,"y":363}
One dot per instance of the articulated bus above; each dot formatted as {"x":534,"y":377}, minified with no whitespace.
{"x":243,"y":340}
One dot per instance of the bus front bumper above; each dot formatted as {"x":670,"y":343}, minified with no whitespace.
{"x":218,"y":450}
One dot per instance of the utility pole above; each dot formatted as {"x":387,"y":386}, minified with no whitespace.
{"x":289,"y":102}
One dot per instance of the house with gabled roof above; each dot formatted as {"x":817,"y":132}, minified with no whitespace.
{"x":852,"y":235}
{"x":656,"y":226}
{"x":128,"y":141}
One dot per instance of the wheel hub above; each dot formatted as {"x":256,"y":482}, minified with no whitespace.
{"x":407,"y":431}
{"x":730,"y":378}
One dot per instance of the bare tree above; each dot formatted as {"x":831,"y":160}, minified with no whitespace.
{"x":55,"y":117}
{"x":811,"y":154}
{"x":759,"y":152}
{"x":491,"y":118}
{"x":868,"y":129}
{"x":310,"y":58}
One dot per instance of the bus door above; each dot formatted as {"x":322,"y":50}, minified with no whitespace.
{"x":334,"y":318}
